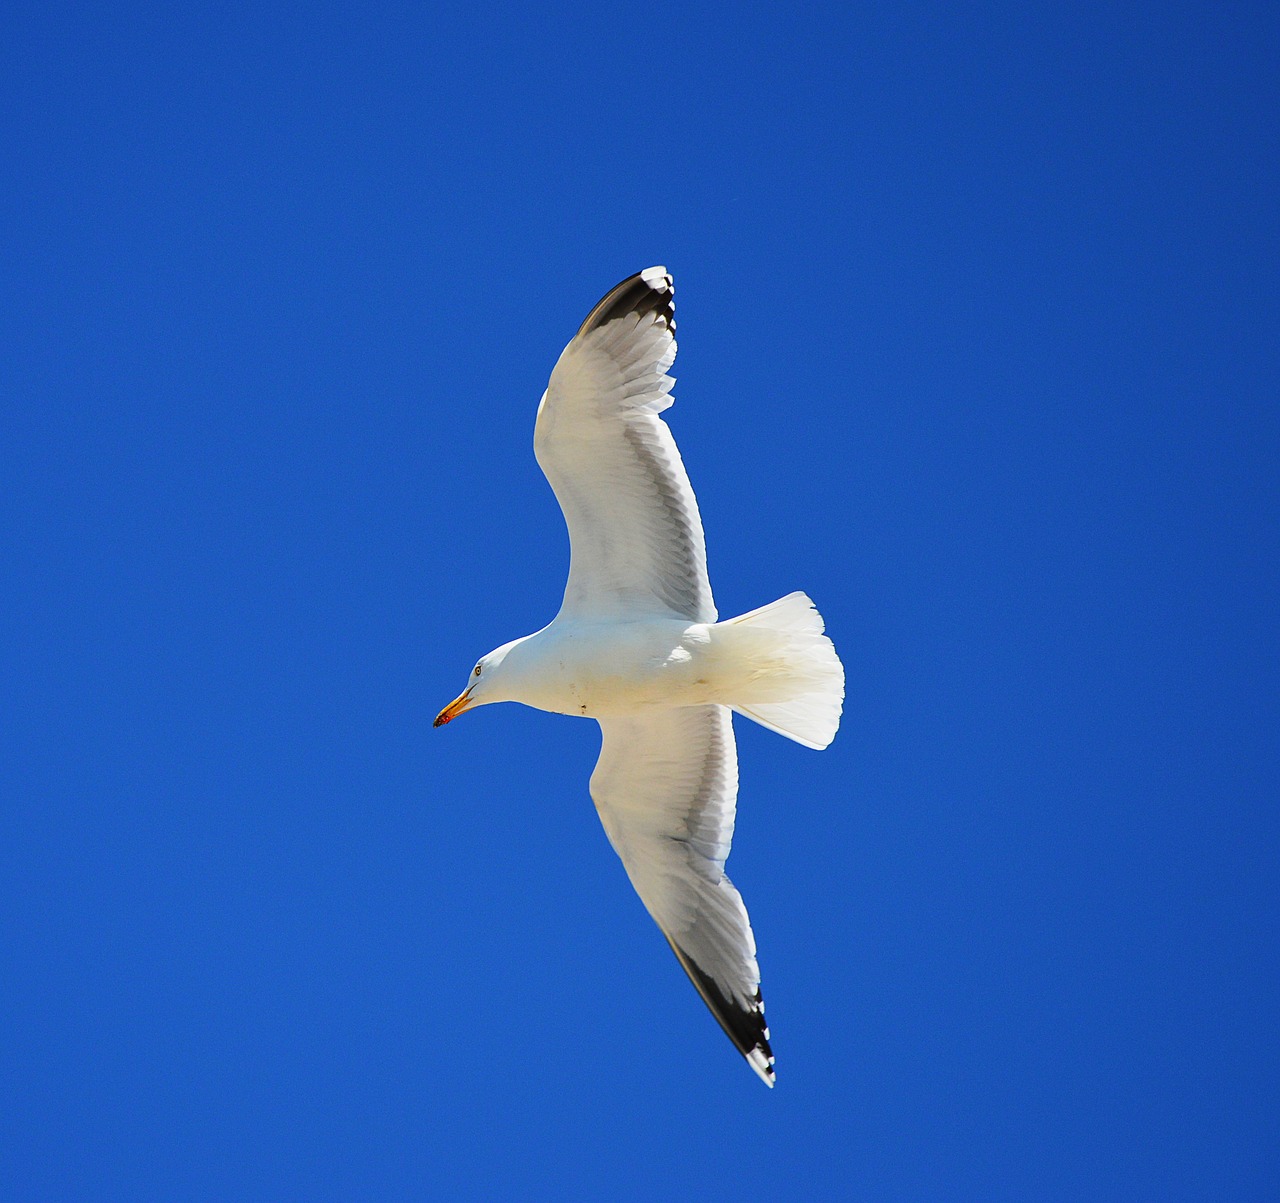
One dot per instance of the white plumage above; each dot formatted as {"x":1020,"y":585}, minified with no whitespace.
{"x":634,"y":527}
{"x":637,"y":647}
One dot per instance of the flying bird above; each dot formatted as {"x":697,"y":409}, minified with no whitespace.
{"x":637,"y":647}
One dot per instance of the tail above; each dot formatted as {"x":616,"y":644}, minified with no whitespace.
{"x":797,"y":686}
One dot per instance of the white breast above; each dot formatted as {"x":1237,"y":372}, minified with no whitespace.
{"x":616,"y":668}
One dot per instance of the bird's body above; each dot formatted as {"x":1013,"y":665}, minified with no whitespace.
{"x":595,"y":669}
{"x":637,"y":647}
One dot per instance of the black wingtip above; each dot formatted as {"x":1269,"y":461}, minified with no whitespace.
{"x":745,"y":1026}
{"x":651,"y":291}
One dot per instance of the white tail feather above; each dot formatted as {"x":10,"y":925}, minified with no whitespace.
{"x":798,"y":686}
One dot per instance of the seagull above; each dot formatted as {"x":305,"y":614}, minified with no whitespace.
{"x":637,"y":647}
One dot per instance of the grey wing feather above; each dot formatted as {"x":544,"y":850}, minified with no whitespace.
{"x":635,"y":533}
{"x":666,"y":789}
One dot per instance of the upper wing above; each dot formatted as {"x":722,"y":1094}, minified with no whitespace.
{"x":665,"y":787}
{"x":634,"y":530}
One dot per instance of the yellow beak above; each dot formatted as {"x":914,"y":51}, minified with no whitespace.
{"x":454,"y":708}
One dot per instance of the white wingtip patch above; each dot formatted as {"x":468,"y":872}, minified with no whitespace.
{"x":763,"y":1066}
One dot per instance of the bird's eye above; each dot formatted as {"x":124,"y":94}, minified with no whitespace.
{"x":477,"y":670}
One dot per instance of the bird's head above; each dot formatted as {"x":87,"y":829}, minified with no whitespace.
{"x":488,"y":683}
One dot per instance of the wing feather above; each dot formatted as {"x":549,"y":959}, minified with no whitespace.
{"x":666,"y":789}
{"x":635,"y":533}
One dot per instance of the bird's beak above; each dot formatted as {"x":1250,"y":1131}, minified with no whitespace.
{"x":454,"y":708}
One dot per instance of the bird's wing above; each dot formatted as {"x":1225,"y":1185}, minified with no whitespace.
{"x":636,"y":545}
{"x":665,"y":786}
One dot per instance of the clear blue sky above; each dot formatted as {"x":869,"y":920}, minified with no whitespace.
{"x":979,"y":346}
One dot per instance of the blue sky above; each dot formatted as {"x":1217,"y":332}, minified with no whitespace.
{"x":978,"y":320}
